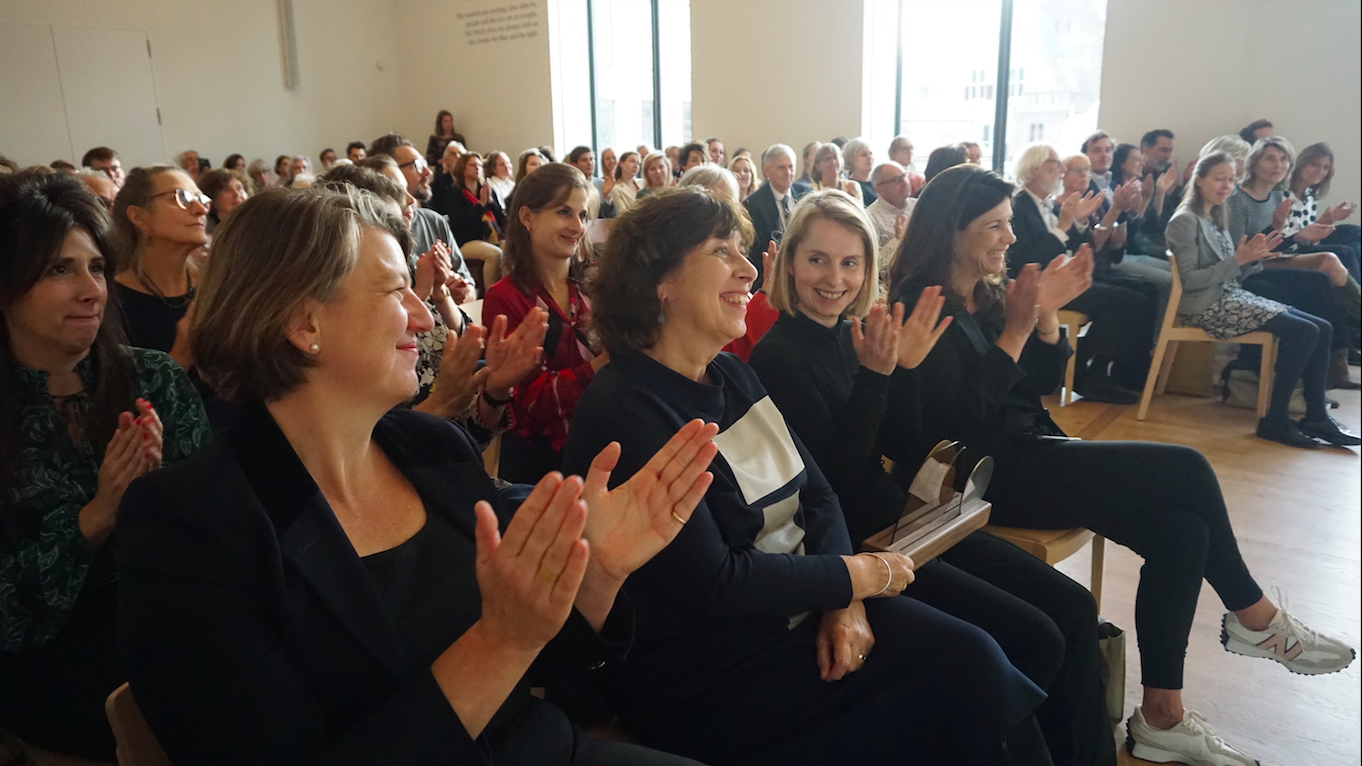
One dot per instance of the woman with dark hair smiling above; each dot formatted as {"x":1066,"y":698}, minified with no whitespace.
{"x":365,"y":593}
{"x":755,"y":627}
{"x":544,"y":230}
{"x":830,"y":377}
{"x":982,"y":385}
{"x":81,"y":416}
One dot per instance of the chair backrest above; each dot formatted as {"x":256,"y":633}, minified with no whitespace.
{"x":137,"y":746}
{"x":1170,"y":314}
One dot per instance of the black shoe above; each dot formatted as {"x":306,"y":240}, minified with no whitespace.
{"x":1330,"y":431}
{"x":1101,"y":388}
{"x":1288,"y":433}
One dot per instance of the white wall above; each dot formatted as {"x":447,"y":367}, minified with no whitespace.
{"x":219,"y":79}
{"x":1205,"y":69}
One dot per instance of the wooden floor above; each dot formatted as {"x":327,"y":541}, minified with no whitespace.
{"x":1296,"y":515}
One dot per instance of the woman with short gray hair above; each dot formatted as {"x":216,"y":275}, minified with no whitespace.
{"x":859,"y":162}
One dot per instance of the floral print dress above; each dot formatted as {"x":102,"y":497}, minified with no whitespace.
{"x":1238,"y":311}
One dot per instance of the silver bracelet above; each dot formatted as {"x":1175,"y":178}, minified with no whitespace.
{"x":888,"y":570}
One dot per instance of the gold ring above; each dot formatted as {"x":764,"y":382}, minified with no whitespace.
{"x":680,"y":520}
{"x":548,"y":577}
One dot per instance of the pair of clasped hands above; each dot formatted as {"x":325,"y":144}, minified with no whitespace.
{"x":134,"y":450}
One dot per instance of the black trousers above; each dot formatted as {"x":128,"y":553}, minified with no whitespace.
{"x":53,"y":697}
{"x":1045,"y":623}
{"x":1122,"y":319}
{"x":1161,"y":501}
{"x":1302,"y":354}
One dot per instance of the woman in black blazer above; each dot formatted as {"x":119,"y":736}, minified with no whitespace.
{"x":329,"y":583}
{"x":982,"y":384}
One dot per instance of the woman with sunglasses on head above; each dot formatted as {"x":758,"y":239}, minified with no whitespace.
{"x":982,"y":384}
{"x":81,"y":416}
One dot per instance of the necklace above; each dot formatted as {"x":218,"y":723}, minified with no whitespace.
{"x":179,"y":302}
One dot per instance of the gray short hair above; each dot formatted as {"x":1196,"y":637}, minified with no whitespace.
{"x":777,"y":150}
{"x":853,"y":147}
{"x":1032,"y":159}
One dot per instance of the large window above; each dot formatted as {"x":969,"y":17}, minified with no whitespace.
{"x":1000,"y":73}
{"x":621,"y":73}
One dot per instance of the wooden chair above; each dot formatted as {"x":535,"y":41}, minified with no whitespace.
{"x":1074,"y":321}
{"x":1054,"y":545}
{"x":137,"y":746}
{"x":1171,"y":334}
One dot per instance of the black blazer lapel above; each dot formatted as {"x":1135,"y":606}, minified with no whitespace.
{"x":311,"y":540}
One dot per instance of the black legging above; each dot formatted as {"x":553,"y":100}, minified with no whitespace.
{"x":1302,"y":354}
{"x":1161,"y":501}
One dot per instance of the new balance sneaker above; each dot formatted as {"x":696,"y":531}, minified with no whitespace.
{"x":1301,"y":649}
{"x":1192,"y":741}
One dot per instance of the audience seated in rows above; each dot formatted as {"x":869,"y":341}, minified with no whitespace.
{"x":769,"y":207}
{"x":890,"y":211}
{"x":901,"y":151}
{"x":225,"y":189}
{"x":657,"y":174}
{"x":744,"y":171}
{"x":944,"y":157}
{"x":624,"y":192}
{"x":859,"y":161}
{"x":827,"y":173}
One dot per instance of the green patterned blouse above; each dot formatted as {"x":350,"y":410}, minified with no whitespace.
{"x":45,"y":561}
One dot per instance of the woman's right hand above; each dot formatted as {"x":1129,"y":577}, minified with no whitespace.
{"x":871,"y":571}
{"x":877,"y":344}
{"x":1256,"y":249}
{"x":529,"y":577}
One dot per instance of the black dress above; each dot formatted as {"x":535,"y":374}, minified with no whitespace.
{"x":723,"y":666}
{"x":1044,"y":621}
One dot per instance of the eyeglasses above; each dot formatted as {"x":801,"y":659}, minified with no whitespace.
{"x":895,"y":180}
{"x":184,"y":197}
{"x":418,"y":164}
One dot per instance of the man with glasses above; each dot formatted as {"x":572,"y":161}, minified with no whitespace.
{"x":894,"y":203}
{"x":105,"y":160}
{"x":428,"y":226}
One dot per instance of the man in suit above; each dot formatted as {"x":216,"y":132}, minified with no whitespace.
{"x":771,"y":206}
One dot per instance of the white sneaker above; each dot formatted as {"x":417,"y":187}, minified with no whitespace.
{"x":1192,"y":741}
{"x":1286,"y":640}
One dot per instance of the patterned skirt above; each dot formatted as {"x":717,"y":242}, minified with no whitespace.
{"x":1237,"y":312}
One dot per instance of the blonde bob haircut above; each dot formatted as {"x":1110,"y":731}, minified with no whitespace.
{"x":1260,"y":148}
{"x":824,"y":205}
{"x":277,"y":250}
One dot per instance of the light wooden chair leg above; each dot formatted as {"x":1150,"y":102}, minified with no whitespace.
{"x":1166,"y":367}
{"x":1265,"y":375}
{"x":1099,"y":555}
{"x":1068,"y":397}
{"x":1151,"y":380}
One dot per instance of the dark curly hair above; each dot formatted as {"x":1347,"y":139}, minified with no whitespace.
{"x":647,"y":244}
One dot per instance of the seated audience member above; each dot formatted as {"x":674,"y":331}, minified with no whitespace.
{"x":1100,"y":150}
{"x":225,"y":189}
{"x":1156,"y":146}
{"x":742,"y":152}
{"x":442,"y":186}
{"x":827,"y":173}
{"x":328,"y":158}
{"x":901,"y":151}
{"x":1122,"y":319}
{"x":1310,"y":179}
{"x":715,"y":179}
{"x":260,"y":175}
{"x":103,"y":188}
{"x":84,"y":415}
{"x":476,"y":218}
{"x":444,"y":135}
{"x":105,"y":160}
{"x":283,"y":166}
{"x":839,"y":141}
{"x":1211,"y":265}
{"x":806,"y":156}
{"x":673,"y":154}
{"x":529,"y":161}
{"x":894,"y":203}
{"x":714,"y":151}
{"x":500,"y":176}
{"x":830,"y":377}
{"x":428,"y":227}
{"x":355,"y":151}
{"x":364,"y":590}
{"x":744,"y":171}
{"x":941,"y":158}
{"x":608,"y":162}
{"x":974,"y":155}
{"x":547,"y":152}
{"x":1233,"y":147}
{"x":1127,"y":166}
{"x":981,"y":384}
{"x":624,"y":192}
{"x":747,"y":616}
{"x":543,"y":233}
{"x":188,"y":161}
{"x":657,"y":175}
{"x":691,"y":154}
{"x":772,"y":204}
{"x":1256,"y":130}
{"x":63,"y":166}
{"x":453,"y":151}
{"x":299,"y":170}
{"x":237,"y":162}
{"x":859,"y":162}
{"x":1105,"y":231}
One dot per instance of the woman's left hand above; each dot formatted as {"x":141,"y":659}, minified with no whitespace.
{"x":511,"y":357}
{"x":1314,"y":232}
{"x":877,"y":343}
{"x":628,"y":525}
{"x":1063,"y":280}
{"x":152,"y":436}
{"x":844,"y":642}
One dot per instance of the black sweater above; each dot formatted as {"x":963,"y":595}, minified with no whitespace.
{"x":761,"y":549}
{"x":970,"y":390}
{"x":835,"y":406}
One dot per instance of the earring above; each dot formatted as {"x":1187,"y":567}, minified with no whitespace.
{"x":662,"y":315}
{"x":314,"y":348}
